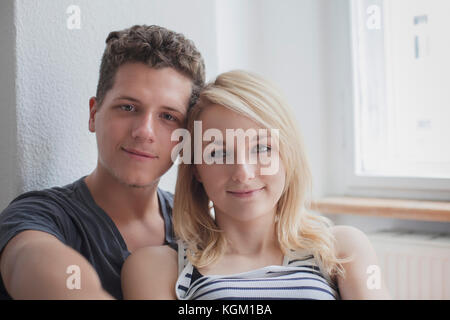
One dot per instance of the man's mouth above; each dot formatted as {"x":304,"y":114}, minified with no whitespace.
{"x":139,"y":153}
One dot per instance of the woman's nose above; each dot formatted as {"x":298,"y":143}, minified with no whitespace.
{"x":243,"y":172}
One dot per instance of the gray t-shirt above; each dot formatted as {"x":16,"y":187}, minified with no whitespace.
{"x":71,"y":215}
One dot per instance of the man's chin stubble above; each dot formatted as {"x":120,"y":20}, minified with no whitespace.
{"x":133,"y":185}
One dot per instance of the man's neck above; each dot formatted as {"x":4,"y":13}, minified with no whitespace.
{"x":121,"y":202}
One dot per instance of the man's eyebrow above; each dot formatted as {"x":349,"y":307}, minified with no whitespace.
{"x":127,"y":98}
{"x":175,"y":109}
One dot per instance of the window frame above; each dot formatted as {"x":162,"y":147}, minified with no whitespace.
{"x":390,"y":187}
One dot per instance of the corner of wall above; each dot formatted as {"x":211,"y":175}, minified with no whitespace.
{"x":9,"y":176}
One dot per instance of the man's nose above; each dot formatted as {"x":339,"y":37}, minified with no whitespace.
{"x":144,"y":127}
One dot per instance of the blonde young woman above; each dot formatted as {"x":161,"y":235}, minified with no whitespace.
{"x":244,"y":234}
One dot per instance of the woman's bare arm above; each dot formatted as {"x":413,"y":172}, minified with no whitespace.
{"x":363,"y":278}
{"x":150,"y":273}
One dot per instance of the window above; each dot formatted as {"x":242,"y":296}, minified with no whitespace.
{"x":401,"y":85}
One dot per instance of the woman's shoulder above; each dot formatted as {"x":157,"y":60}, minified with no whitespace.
{"x":157,"y":256}
{"x":149,"y":268}
{"x":160,"y":252}
{"x":343,"y":230}
{"x":354,"y":245}
{"x":349,"y":240}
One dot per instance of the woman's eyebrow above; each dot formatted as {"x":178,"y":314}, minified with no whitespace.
{"x":223,"y":142}
{"x":263,"y":137}
{"x":216,"y":142}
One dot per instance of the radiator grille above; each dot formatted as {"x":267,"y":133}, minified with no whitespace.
{"x":414,"y":265}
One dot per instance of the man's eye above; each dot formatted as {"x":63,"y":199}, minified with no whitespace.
{"x":169,"y":117}
{"x":127,"y":107}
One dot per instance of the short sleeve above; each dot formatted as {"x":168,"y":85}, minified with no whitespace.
{"x":166,"y":202}
{"x":168,"y":197}
{"x":31,"y":213}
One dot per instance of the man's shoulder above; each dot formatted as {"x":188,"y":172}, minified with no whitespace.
{"x":50,"y":200}
{"x":48,"y":210}
{"x":50,"y":193}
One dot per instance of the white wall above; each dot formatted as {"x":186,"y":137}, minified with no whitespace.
{"x":9,"y":178}
{"x":45,"y":119}
{"x":238,"y":25}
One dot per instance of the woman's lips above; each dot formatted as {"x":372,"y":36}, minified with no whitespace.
{"x":139,"y":154}
{"x":245,"y":193}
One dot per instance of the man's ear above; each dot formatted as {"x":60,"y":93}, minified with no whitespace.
{"x":93,"y":107}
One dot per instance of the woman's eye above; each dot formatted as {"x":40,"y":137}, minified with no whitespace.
{"x":127,"y":107}
{"x":217,"y":153}
{"x":262,"y":148}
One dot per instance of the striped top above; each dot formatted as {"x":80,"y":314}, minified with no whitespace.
{"x":300,"y":278}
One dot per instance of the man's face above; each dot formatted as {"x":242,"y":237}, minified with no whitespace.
{"x":134,"y":123}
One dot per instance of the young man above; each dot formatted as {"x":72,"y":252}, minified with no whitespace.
{"x":71,"y":242}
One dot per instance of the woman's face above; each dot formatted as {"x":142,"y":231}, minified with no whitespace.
{"x":237,"y":187}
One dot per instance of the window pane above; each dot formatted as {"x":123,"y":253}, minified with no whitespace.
{"x":402,"y":88}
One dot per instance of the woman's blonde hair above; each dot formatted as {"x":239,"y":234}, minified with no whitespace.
{"x":296,"y":228}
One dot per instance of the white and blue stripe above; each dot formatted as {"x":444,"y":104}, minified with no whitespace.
{"x":295,"y":279}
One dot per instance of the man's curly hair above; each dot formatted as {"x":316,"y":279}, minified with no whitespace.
{"x":155,"y":46}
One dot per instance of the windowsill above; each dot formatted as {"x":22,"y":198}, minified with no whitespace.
{"x":388,"y":208}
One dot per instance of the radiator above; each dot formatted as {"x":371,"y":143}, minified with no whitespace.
{"x":415,"y":266}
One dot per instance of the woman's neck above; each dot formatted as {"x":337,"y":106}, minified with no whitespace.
{"x":252,"y":237}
